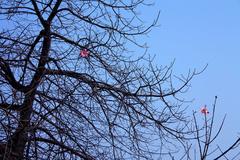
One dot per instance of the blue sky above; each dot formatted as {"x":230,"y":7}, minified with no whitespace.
{"x":196,"y":33}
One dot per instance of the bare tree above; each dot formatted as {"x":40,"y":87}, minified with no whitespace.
{"x":58,"y":103}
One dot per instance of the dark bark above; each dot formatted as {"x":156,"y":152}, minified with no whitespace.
{"x":14,"y":149}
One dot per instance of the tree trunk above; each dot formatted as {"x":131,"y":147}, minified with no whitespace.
{"x":14,"y":149}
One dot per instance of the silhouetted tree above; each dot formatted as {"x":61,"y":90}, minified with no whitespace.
{"x":70,"y":89}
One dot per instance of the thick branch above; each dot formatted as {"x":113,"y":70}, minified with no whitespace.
{"x":8,"y":75}
{"x":43,"y":59}
{"x":38,"y":12}
{"x":54,"y":11}
{"x":7,"y":106}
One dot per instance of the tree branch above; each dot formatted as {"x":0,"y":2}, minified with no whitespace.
{"x":230,"y":148}
{"x":13,"y":107}
{"x":38,"y":13}
{"x":81,"y":154}
{"x":8,"y":75}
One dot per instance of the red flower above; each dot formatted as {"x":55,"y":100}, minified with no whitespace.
{"x":204,"y":110}
{"x":84,"y":53}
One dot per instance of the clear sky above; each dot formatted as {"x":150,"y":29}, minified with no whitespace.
{"x":196,"y":33}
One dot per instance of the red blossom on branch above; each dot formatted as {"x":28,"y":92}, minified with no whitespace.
{"x":204,"y":110}
{"x":84,"y":53}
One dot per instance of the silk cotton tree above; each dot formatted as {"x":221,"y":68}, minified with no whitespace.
{"x":69,"y":88}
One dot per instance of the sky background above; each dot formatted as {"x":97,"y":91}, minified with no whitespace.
{"x":196,"y":33}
